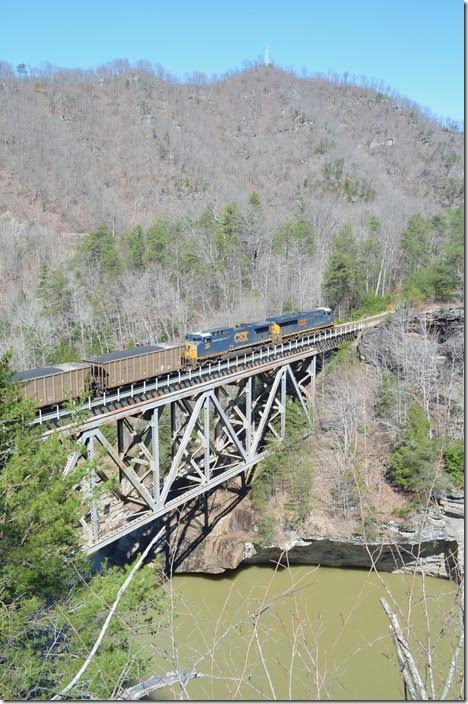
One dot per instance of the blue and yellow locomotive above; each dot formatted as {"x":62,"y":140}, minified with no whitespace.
{"x":208,"y":344}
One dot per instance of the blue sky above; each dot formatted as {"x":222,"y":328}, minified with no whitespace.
{"x":415,"y":46}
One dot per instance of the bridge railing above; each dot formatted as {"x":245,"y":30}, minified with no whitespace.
{"x":194,"y":376}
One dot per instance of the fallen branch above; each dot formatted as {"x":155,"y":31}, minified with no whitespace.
{"x":156,"y":682}
{"x":456,"y":653}
{"x":112,"y":611}
{"x":409,"y":670}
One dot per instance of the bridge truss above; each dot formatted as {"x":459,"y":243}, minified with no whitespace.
{"x":178,"y":441}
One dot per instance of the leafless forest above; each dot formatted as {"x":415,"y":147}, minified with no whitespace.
{"x":124,"y":147}
{"x":134,"y":207}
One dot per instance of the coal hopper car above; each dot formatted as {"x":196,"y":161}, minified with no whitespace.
{"x":137,"y":364}
{"x":49,"y":386}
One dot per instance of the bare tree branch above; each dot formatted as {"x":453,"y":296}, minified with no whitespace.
{"x":142,"y":689}
{"x":408,"y":667}
{"x":111,"y":613}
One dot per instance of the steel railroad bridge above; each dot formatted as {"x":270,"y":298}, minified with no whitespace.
{"x":164,"y":442}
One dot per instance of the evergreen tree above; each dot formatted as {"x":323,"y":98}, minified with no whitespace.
{"x":51,"y":607}
{"x":98,"y":251}
{"x":437,"y":275}
{"x":294,"y":231}
{"x":415,"y":243}
{"x":254,"y":200}
{"x":453,"y":255}
{"x":374,"y":225}
{"x":159,"y":237}
{"x":14,"y":412}
{"x":343,"y":277}
{"x":227,"y":230}
{"x":454,"y":462}
{"x":135,"y":242}
{"x":412,"y":463}
{"x":54,"y":291}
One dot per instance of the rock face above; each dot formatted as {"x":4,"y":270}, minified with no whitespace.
{"x":433,"y":548}
{"x":446,"y":324}
{"x":227,"y":546}
{"x":432,"y":552}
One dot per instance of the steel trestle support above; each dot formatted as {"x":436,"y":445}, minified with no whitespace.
{"x":165,"y":450}
{"x":184,"y":447}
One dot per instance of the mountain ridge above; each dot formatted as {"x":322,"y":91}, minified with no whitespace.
{"x":80,"y":149}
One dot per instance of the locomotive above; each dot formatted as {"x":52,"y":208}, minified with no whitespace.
{"x":50,"y":386}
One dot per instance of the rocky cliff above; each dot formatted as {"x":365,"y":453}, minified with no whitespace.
{"x":431,"y":543}
{"x":433,"y":546}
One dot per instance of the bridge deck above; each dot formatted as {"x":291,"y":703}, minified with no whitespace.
{"x":135,"y":395}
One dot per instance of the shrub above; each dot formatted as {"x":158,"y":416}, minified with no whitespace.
{"x":454,"y":462}
{"x":412,"y":463}
{"x":371,"y":305}
{"x":387,"y":394}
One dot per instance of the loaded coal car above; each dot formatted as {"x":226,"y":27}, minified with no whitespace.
{"x":282,"y":326}
{"x":137,"y":364}
{"x":49,"y":386}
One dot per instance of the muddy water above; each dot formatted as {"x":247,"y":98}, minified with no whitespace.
{"x":303,"y":633}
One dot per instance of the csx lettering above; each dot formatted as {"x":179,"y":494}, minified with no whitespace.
{"x":241,"y":336}
{"x":302,"y":321}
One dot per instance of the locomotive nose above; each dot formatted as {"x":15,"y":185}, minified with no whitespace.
{"x":190,"y":353}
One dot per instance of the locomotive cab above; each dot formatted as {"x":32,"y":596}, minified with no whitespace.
{"x":191,"y":348}
{"x":197,"y":346}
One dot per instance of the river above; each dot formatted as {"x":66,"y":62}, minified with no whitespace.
{"x":301,"y":633}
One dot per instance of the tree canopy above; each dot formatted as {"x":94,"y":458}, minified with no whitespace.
{"x":51,"y":604}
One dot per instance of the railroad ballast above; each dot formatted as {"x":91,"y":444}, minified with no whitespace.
{"x":50,"y":386}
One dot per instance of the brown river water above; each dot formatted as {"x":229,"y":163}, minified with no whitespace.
{"x":301,"y":633}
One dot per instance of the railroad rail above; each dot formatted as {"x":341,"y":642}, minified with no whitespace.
{"x":180,"y":436}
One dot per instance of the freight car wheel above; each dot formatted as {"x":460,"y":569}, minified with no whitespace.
{"x":98,"y":390}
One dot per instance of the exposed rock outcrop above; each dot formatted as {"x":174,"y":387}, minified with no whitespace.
{"x":435,"y":543}
{"x":445,"y":324}
{"x":432,"y":548}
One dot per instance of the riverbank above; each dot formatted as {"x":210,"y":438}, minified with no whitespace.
{"x":433,"y":546}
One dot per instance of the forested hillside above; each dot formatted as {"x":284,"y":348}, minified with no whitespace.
{"x":135,"y":207}
{"x":121,"y":145}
